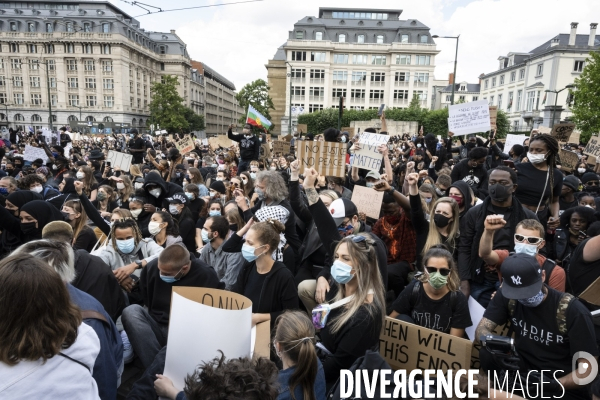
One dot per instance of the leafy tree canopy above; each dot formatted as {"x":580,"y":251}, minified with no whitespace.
{"x":586,"y":107}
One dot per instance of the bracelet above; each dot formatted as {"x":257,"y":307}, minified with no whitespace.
{"x":391,"y":191}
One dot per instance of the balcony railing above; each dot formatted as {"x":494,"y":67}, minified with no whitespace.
{"x":377,"y":83}
{"x":357,"y":100}
{"x":359,"y":83}
{"x":318,"y":81}
{"x":340,"y":83}
{"x":421,"y":84}
{"x":376,"y":101}
{"x":401,"y":83}
{"x":316,"y":98}
{"x":400,"y":101}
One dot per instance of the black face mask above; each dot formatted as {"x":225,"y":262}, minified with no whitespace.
{"x":441,"y":221}
{"x":29,"y":228}
{"x":498,"y":192}
{"x":233,"y":227}
{"x":592,"y":189}
{"x":471,"y":145}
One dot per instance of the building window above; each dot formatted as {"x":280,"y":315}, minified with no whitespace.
{"x":54,"y":100}
{"x":317,"y":74}
{"x":90,"y":83}
{"x":494,"y":82}
{"x":36,"y":99}
{"x":513,"y":76}
{"x":72,"y":83}
{"x":49,"y":28}
{"x":14,"y":48}
{"x":317,"y":56}
{"x":298,"y":56}
{"x":299,"y":35}
{"x":448,"y":98}
{"x":71,"y":65}
{"x":87,"y":27}
{"x":52,"y":81}
{"x":89,"y":65}
{"x":422,"y":60}
{"x":49,"y":48}
{"x":73,"y":100}
{"x":15,"y":63}
{"x":69,"y":27}
{"x":486,"y":84}
{"x":87,"y":48}
{"x":162,"y":50}
{"x":360,"y":39}
{"x":340,"y":76}
{"x":403,"y":59}
{"x":340,"y":58}
{"x":540,"y":70}
{"x":359,"y":76}
{"x":421,"y":77}
{"x":377,"y":76}
{"x":501,"y":79}
{"x":107,"y":66}
{"x":359,"y":58}
{"x":69,"y":48}
{"x":298,"y":91}
{"x":379,"y":39}
{"x":404,"y":38}
{"x":376,"y":94}
{"x":316,"y":91}
{"x":3,"y":98}
{"x":298,"y":73}
{"x":34,"y":81}
{"x":530,"y":100}
{"x":357,"y":93}
{"x":2,"y":81}
{"x":105,"y":27}
{"x":14,"y":27}
{"x":475,"y":98}
{"x":34,"y":65}
{"x":17,"y":81}
{"x":421,"y":94}
{"x":378,"y":60}
{"x":402,"y":76}
{"x":338,"y":92}
{"x":510,"y":101}
{"x":341,"y":38}
{"x":400,"y":94}
{"x":108,"y":83}
{"x":462,"y":98}
{"x":162,"y":66}
{"x":30,"y":27}
{"x":105,"y":48}
{"x":500,"y":101}
{"x":90,"y":101}
{"x":19,"y":98}
{"x":315,"y":107}
{"x":424,"y":39}
{"x":318,"y":35}
{"x":109,"y":101}
{"x":32,"y":48}
{"x":491,"y":102}
{"x":578,"y":66}
{"x":519,"y":98}
{"x":522,"y":74}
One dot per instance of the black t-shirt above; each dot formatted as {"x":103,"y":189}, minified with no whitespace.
{"x":564,"y":205}
{"x":434,"y":314}
{"x":531,"y":183}
{"x":137,"y":144}
{"x":582,"y":273}
{"x":476,"y":178}
{"x":537,"y":337}
{"x":253,"y":287}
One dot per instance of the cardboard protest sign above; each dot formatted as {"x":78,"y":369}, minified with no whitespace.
{"x":281,"y":146}
{"x":511,"y":140}
{"x":575,"y":137}
{"x":118,"y":159}
{"x":562,"y":132}
{"x":568,"y":160}
{"x":593,"y":147}
{"x":33,"y":153}
{"x":408,"y":346}
{"x":367,"y":200}
{"x":204,"y":321}
{"x":219,"y":140}
{"x":368,"y":157}
{"x":468,"y":118}
{"x":302,"y":128}
{"x":266,"y":151}
{"x":592,"y":293}
{"x":185,"y":145}
{"x":493,"y":117}
{"x":287,"y":138}
{"x":329,"y":159}
{"x":349,"y":129}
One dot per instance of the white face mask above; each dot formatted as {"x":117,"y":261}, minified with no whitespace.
{"x":581,"y":170}
{"x":536,"y":158}
{"x":120,"y":186}
{"x":138,"y":185}
{"x":80,"y":175}
{"x":173,"y":209}
{"x":136,"y":213}
{"x":37,"y":189}
{"x":155,"y":192}
{"x":154,"y":228}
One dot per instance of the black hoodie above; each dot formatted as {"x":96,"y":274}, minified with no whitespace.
{"x":168,"y":189}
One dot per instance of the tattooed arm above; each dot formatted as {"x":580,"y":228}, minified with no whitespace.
{"x":485,"y":327}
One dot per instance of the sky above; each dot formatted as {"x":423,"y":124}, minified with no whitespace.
{"x":238,"y":40}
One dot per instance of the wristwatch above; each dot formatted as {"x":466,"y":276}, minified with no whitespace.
{"x":391,"y":191}
{"x":139,"y":264}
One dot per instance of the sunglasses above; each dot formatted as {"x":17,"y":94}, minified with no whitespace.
{"x":442,"y":271}
{"x":529,"y":239}
{"x":356,"y":238}
{"x":592,"y":183}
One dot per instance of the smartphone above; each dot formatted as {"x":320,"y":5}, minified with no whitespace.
{"x":380,"y":111}
{"x":108,"y":163}
{"x":509,"y":163}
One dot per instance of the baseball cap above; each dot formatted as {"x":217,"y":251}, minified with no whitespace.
{"x":178,"y":198}
{"x":521,"y":276}
{"x":374,"y":175}
{"x":341,"y":209}
{"x":572,"y":182}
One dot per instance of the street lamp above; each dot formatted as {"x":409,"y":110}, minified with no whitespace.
{"x":5,"y":105}
{"x":290,"y":118}
{"x":80,"y":108}
{"x":556,"y":92}
{"x":455,"y":57}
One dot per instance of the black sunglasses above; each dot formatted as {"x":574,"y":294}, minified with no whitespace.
{"x":442,"y":271}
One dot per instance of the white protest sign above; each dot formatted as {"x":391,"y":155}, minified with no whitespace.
{"x":476,"y":310}
{"x":118,"y":159}
{"x":368,"y":157}
{"x":468,"y":118}
{"x":202,"y":322}
{"x":367,"y":200}
{"x":68,"y":148}
{"x":33,"y":153}
{"x":511,"y":140}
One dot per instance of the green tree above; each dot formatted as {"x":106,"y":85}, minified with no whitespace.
{"x":256,"y":94}
{"x":586,"y":107}
{"x":195,"y":121}
{"x":167,"y":107}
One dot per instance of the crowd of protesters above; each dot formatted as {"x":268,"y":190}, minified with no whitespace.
{"x":90,"y":252}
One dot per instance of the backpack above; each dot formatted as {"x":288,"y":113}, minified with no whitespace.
{"x":561,"y":311}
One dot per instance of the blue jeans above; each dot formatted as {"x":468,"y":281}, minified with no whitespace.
{"x":244,"y":166}
{"x":146,"y":335}
{"x":482,"y":292}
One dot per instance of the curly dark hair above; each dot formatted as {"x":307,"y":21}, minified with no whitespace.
{"x":239,"y":378}
{"x":28,"y":180}
{"x":585,"y":212}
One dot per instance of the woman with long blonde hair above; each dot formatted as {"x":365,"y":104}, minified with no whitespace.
{"x":433,"y":299}
{"x":352,"y":323}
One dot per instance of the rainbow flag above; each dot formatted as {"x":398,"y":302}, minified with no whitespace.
{"x":257,"y":119}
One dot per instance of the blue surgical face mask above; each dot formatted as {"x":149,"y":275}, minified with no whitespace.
{"x":526,"y":248}
{"x":253,"y":175}
{"x":126,"y":246}
{"x":214,"y":213}
{"x":214,"y":165}
{"x":171,"y":279}
{"x":370,"y":184}
{"x":259,"y":193}
{"x":340,"y":271}
{"x":205,"y":237}
{"x":189,"y":195}
{"x":248,"y":252}
{"x":4,"y":191}
{"x":428,"y":199}
{"x":533,"y":301}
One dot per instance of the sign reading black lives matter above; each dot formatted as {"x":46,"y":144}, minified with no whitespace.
{"x":329,"y":159}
